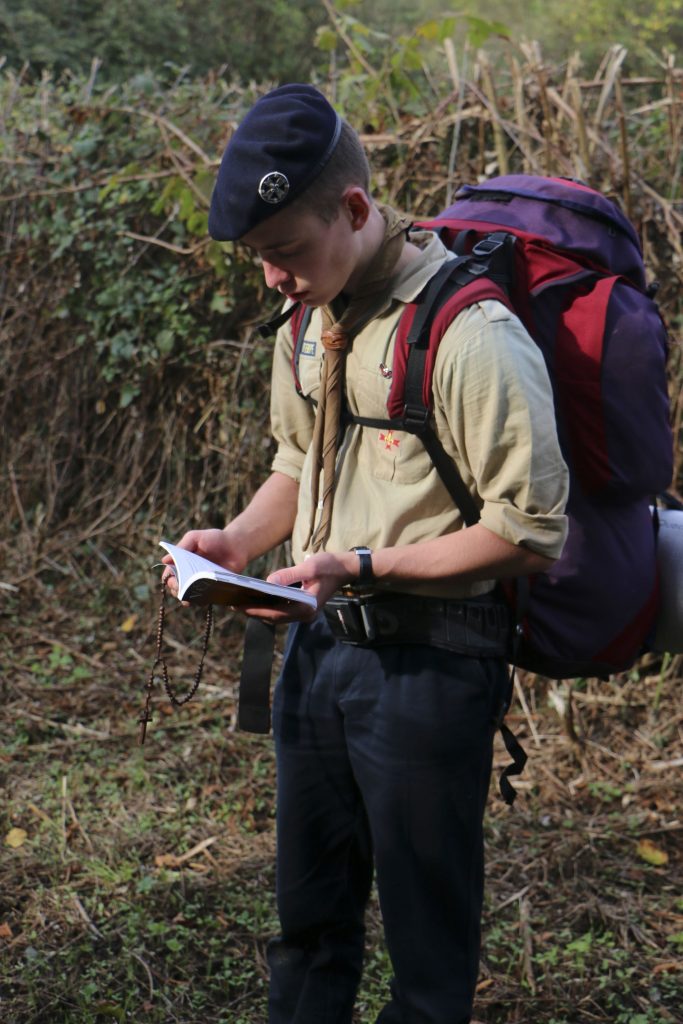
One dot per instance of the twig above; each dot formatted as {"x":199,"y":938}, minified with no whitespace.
{"x":73,"y":189}
{"x":527,"y":714}
{"x":174,"y":861}
{"x":150,"y":240}
{"x":353,"y":49}
{"x":512,"y":899}
{"x":528,"y":945}
{"x":614,"y":59}
{"x":63,"y":833}
{"x":17,"y":501}
{"x":73,"y":730}
{"x":459,"y":87}
{"x":623,"y":139}
{"x":150,"y":979}
{"x":95,"y":66}
{"x":533,"y":55}
{"x":663,"y":766}
{"x":53,"y":641}
{"x":520,"y":110}
{"x":74,"y":818}
{"x":182,"y":171}
{"x":498,"y":135}
{"x":347,"y":40}
{"x":84,"y":914}
{"x":160,"y":121}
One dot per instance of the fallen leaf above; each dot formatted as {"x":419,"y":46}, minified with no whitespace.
{"x":5,"y":931}
{"x":651,"y":854}
{"x":166,"y":860}
{"x":16,"y":837}
{"x":672,"y":966}
{"x":128,"y":625}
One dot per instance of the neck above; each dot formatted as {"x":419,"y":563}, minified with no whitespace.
{"x":370,"y":239}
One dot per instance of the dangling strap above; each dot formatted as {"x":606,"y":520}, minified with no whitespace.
{"x":272,"y":326}
{"x":253,"y":714}
{"x":512,"y":744}
{"x":514,"y":749}
{"x":516,"y":767}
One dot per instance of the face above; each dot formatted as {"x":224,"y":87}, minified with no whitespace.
{"x":305,"y":258}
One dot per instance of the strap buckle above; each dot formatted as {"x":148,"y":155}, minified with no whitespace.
{"x":415,"y":418}
{"x":487,"y":246}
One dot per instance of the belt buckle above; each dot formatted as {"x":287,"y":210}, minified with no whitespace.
{"x":356,"y":618}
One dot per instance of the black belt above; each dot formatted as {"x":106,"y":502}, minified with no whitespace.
{"x":479,"y":626}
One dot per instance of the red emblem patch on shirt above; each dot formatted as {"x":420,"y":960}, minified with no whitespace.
{"x":389,"y":440}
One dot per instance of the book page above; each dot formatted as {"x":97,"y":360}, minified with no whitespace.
{"x":201,"y":581}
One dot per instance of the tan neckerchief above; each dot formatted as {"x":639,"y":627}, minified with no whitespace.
{"x":335,"y":337}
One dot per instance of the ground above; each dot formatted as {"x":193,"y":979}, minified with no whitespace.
{"x":136,"y":882}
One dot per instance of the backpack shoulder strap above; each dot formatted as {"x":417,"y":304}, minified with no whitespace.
{"x":300,"y":321}
{"x":487,"y":273}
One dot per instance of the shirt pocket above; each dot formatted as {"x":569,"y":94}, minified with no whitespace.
{"x":384,"y":452}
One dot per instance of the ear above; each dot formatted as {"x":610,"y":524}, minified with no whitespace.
{"x":357,"y":206}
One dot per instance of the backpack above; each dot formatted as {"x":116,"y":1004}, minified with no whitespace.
{"x":567,"y":261}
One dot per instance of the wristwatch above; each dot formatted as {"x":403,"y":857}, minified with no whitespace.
{"x":366,"y":575}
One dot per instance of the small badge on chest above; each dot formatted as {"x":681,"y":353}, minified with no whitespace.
{"x":388,"y":439}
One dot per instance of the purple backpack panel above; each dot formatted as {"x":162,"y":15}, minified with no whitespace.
{"x":579,"y":287}
{"x":568,"y":215}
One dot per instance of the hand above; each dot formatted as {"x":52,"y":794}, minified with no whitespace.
{"x":211,"y":544}
{"x":320,"y":575}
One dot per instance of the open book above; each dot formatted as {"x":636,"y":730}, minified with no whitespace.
{"x":203,"y":582}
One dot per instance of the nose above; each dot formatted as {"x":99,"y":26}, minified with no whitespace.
{"x":275,"y":276}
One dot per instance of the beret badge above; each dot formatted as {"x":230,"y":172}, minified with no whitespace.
{"x":273,"y":187}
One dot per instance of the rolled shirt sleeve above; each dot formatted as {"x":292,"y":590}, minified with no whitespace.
{"x":494,"y":410}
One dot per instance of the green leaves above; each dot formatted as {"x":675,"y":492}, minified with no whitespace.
{"x":477,"y":30}
{"x":480,"y":31}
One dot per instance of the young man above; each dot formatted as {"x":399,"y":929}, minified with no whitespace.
{"x":384,"y":744}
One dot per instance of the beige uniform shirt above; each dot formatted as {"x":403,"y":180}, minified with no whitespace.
{"x":493,"y":413}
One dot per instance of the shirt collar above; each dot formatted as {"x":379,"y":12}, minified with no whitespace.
{"x":410,"y":281}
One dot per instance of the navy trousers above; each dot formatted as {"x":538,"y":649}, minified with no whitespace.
{"x":383,"y":758}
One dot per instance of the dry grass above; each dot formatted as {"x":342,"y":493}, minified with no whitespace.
{"x":144,"y":883}
{"x":142,"y":889}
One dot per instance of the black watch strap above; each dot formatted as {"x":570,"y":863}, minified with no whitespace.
{"x":366,"y":575}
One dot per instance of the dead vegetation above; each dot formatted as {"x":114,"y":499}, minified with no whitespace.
{"x":140,"y":880}
{"x":136,"y":883}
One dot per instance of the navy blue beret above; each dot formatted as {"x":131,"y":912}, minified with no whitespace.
{"x":280,"y":147}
